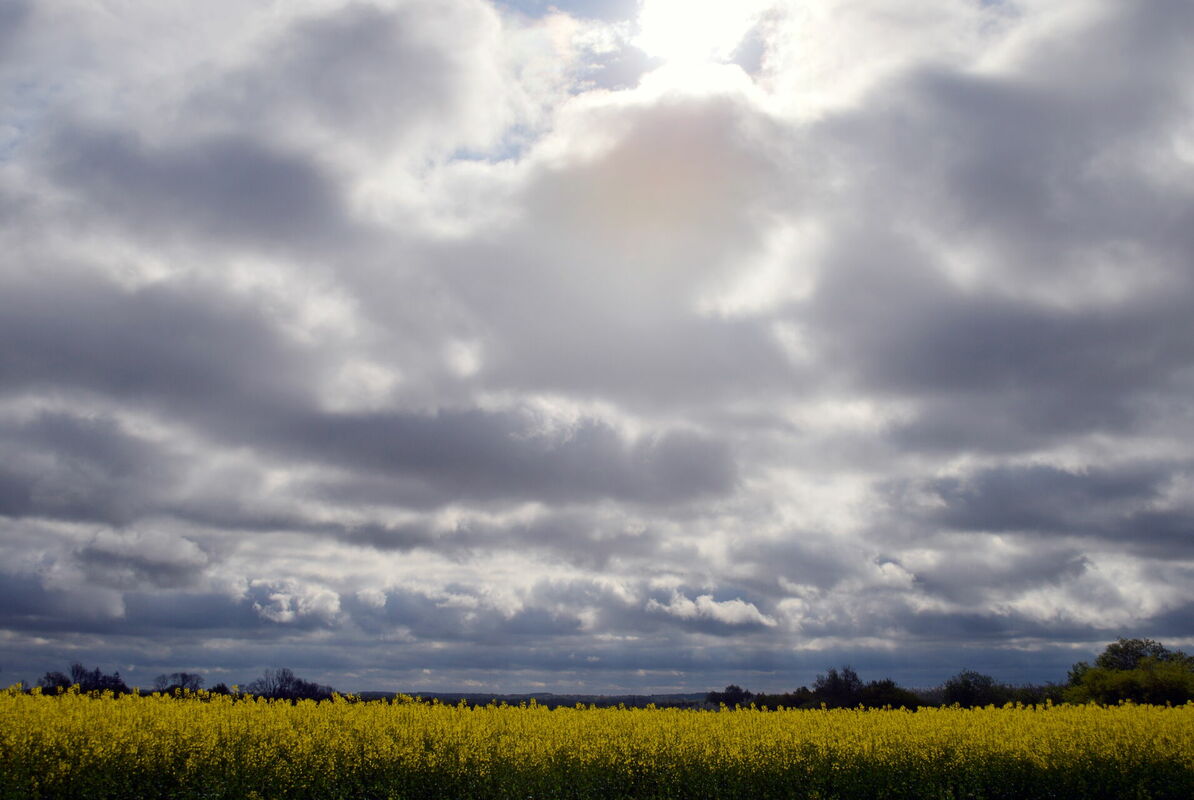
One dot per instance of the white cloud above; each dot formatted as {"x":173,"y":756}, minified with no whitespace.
{"x":433,"y":335}
{"x":727,"y":612}
{"x":288,"y":600}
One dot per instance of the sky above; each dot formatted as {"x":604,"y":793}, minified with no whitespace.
{"x":445,"y":345}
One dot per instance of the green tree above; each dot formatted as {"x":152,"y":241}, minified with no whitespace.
{"x":877,"y":694}
{"x":838,"y":689}
{"x":733,"y":695}
{"x":1130,"y":653}
{"x":969,"y":689}
{"x":1139,"y":670}
{"x":800,"y":698}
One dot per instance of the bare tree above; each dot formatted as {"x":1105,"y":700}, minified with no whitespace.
{"x":184,"y":681}
{"x":284,"y":684}
{"x":52,"y":681}
{"x":839,"y":689}
{"x":88,"y":680}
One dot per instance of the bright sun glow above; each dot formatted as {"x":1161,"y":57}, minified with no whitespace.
{"x":695,"y":31}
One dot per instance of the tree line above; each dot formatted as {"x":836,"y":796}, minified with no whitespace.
{"x":1136,"y":670}
{"x":276,"y":684}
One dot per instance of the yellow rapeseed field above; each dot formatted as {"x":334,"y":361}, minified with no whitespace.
{"x":212,"y":746}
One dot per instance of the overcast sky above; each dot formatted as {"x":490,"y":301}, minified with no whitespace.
{"x":594,"y":346}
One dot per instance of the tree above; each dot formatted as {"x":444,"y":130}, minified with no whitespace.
{"x":178,"y":681}
{"x":96,"y":681}
{"x":800,"y":698}
{"x":88,"y":680}
{"x":732,"y":696}
{"x":1035,"y":694}
{"x":53,"y":681}
{"x":1139,"y":670}
{"x":283,"y":684}
{"x":882,"y":693}
{"x":1129,"y":653}
{"x":1152,"y":681}
{"x":969,"y":688}
{"x":838,"y":689}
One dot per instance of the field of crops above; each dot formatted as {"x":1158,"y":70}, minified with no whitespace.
{"x":213,"y":747}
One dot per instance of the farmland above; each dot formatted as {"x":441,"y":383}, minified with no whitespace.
{"x":212,"y":746}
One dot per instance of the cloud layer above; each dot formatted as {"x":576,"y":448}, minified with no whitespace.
{"x":421,"y":344}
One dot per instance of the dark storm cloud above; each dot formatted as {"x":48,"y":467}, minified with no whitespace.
{"x":76,"y":468}
{"x":1167,"y":533}
{"x":664,"y":385}
{"x":1125,"y":505}
{"x":441,"y":638}
{"x":16,"y":493}
{"x":973,"y":579}
{"x":1176,"y":622}
{"x":223,"y":188}
{"x":13,"y":14}
{"x":457,"y":614}
{"x":992,"y":373}
{"x":93,"y":469}
{"x":1047,"y":174}
{"x":190,"y":345}
{"x":131,"y":564}
{"x":992,"y":626}
{"x":660,"y":663}
{"x":1076,"y":363}
{"x":33,"y":607}
{"x":1043,"y":160}
{"x":378,"y":77}
{"x":797,"y":557}
{"x":26,"y":606}
{"x":482,"y":455}
{"x":84,"y":492}
{"x":577,"y":537}
{"x":571,"y":611}
{"x":363,"y":67}
{"x":593,"y":544}
{"x":189,"y":613}
{"x":212,"y":361}
{"x":464,"y":617}
{"x":1039,"y":498}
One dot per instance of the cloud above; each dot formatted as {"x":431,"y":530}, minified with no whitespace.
{"x":583,"y":537}
{"x":222,"y":188}
{"x":125,"y":562}
{"x":431,"y":76}
{"x":411,"y":343}
{"x":77,"y":468}
{"x":1131,"y":505}
{"x":734,"y":613}
{"x":480,"y":454}
{"x":289,"y":601}
{"x":12,"y":17}
{"x":211,"y":347}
